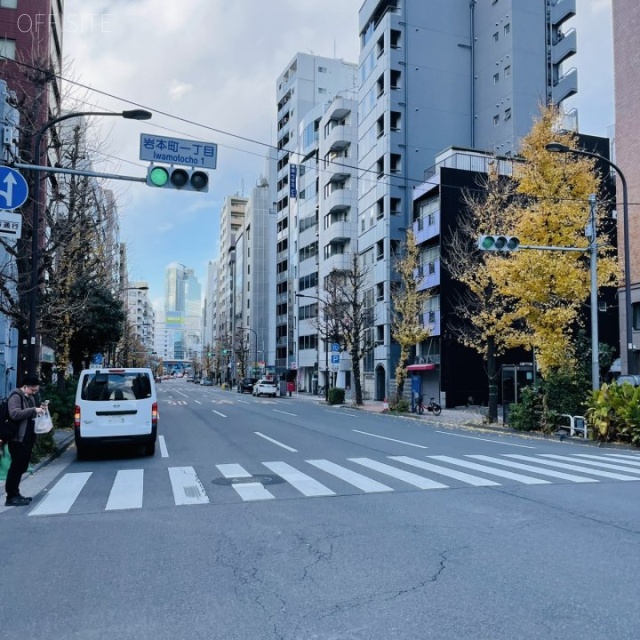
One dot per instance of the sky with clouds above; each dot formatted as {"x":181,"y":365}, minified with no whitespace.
{"x":208,"y":69}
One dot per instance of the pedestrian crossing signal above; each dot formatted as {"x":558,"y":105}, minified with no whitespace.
{"x":177,"y":178}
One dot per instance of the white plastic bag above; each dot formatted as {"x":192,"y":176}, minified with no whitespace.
{"x":43,"y":423}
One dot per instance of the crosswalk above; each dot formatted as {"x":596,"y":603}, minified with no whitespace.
{"x":128,"y":489}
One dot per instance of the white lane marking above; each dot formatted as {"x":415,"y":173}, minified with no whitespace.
{"x":62,"y":495}
{"x":288,"y":413}
{"x":574,"y":467}
{"x":280,"y":444}
{"x":352,"y":477}
{"x":506,"y":444}
{"x":373,"y":435}
{"x":163,"y":447}
{"x":490,"y":470}
{"x":222,"y":415}
{"x":197,"y":402}
{"x":305,"y":484}
{"x":182,"y":394}
{"x":126,"y":492}
{"x":591,"y":463}
{"x":342,"y":413}
{"x":406,"y":476}
{"x":450,"y":473}
{"x":530,"y":467}
{"x":250,"y":491}
{"x":187,"y":488}
{"x":233,"y":471}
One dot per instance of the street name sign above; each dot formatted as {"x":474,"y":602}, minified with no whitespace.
{"x":190,"y":153}
{"x":13,"y":188}
{"x":10,"y":224}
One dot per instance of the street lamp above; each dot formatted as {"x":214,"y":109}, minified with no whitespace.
{"x":326,"y":344}
{"x":557,"y":147}
{"x":133,"y":114}
{"x":255,"y":361}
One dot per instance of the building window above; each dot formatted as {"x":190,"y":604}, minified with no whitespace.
{"x":322,"y":69}
{"x":9,"y":4}
{"x":496,"y":78}
{"x":507,"y":114}
{"x":507,"y":71}
{"x":507,"y":29}
{"x":322,"y":90}
{"x":8,"y":48}
{"x":496,"y":121}
{"x":496,"y":36}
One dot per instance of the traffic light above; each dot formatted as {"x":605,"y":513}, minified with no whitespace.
{"x":178,"y":178}
{"x":498,"y":243}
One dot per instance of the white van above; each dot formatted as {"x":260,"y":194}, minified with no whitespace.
{"x":116,"y":406}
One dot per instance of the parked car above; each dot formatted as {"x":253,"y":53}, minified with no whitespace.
{"x":190,"y":379}
{"x":246,"y":384}
{"x":633,"y":380}
{"x":116,"y":406}
{"x":206,"y":382}
{"x":265,"y":388}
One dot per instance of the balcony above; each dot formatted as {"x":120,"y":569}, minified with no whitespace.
{"x":339,"y":137}
{"x":338,"y":231}
{"x":430,"y":274}
{"x":431,"y":320}
{"x":339,"y":200}
{"x":564,"y":47}
{"x":566,"y":86}
{"x":562,"y":11}
{"x":424,"y":231}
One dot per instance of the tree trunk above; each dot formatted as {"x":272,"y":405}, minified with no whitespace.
{"x":493,"y":380}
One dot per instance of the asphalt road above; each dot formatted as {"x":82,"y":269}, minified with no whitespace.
{"x":289,"y":519}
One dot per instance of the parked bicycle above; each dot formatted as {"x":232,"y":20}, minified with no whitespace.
{"x":320,"y":391}
{"x":433,"y":406}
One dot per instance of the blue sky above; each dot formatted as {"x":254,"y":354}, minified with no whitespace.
{"x":210,"y":66}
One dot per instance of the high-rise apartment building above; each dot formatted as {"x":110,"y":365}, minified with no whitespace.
{"x":626,"y":43}
{"x":141,"y":320}
{"x":307,"y":80}
{"x":183,"y":312}
{"x":434,"y":75}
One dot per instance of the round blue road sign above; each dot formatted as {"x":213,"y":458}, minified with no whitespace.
{"x":13,"y":189}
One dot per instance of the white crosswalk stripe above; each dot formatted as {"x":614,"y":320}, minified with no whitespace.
{"x":126,"y":492}
{"x":450,"y":473}
{"x":574,"y":467}
{"x":62,"y":496}
{"x":491,"y":471}
{"x":410,"y":478}
{"x":127,"y":487}
{"x":187,"y":488}
{"x":530,"y":467}
{"x":636,"y":459}
{"x":362,"y":482}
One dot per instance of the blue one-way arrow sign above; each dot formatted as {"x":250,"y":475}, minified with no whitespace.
{"x":13,"y":188}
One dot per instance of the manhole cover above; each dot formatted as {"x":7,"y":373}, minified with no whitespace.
{"x":262,"y":479}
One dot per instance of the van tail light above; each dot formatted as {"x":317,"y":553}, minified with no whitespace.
{"x":76,"y":417}
{"x":154,"y":414}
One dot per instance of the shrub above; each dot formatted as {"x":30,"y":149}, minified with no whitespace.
{"x":401,"y":405}
{"x":526,"y":415}
{"x":336,"y":395}
{"x":614,"y":411}
{"x":62,"y":401}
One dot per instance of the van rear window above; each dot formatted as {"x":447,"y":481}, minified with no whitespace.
{"x":104,"y":385}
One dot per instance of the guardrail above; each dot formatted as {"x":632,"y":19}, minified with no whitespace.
{"x":574,"y":424}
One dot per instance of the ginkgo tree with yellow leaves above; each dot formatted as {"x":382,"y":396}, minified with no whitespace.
{"x":548,"y":288}
{"x":406,"y":326}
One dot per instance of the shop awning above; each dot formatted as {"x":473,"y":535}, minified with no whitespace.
{"x":421,"y":367}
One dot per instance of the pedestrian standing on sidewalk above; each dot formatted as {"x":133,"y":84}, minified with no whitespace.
{"x":22,"y":409}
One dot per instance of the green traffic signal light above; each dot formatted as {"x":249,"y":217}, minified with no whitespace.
{"x":158,"y":177}
{"x":486,"y":243}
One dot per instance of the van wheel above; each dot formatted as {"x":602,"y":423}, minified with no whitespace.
{"x":81,"y":452}
{"x":150,"y":449}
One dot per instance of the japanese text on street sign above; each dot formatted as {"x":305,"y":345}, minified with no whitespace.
{"x":178,"y":151}
{"x":10,"y":224}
